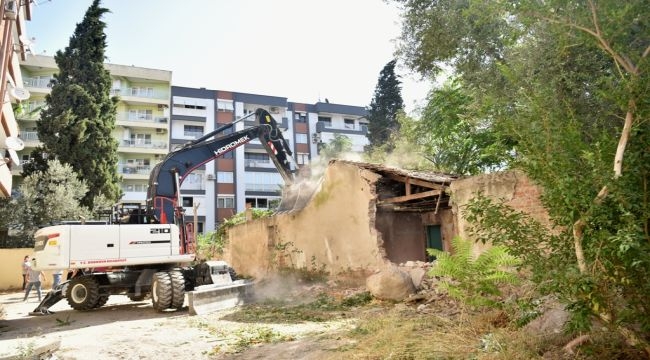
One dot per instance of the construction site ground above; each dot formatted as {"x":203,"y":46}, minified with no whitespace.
{"x":123,"y":329}
{"x":307,"y":322}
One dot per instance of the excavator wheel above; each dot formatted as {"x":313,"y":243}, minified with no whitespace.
{"x":101,"y":301}
{"x":161,"y":291}
{"x":178,"y":289}
{"x":83,"y":293}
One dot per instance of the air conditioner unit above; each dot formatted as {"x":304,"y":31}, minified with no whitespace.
{"x":274,"y":110}
{"x":11,"y":13}
{"x":161,"y":131}
{"x":158,"y":156}
{"x":210,"y":177}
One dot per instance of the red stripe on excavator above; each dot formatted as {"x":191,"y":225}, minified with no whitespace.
{"x":49,"y":236}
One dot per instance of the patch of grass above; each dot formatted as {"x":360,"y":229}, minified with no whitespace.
{"x":65,"y":322}
{"x":323,"y":308}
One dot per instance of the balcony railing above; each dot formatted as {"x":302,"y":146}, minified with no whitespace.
{"x":30,"y":136}
{"x":126,"y":116}
{"x":37,"y":82}
{"x":259,"y":163}
{"x":140,"y":92}
{"x":321,"y":125}
{"x":263,"y":187}
{"x":134,"y":169}
{"x":144,"y":144}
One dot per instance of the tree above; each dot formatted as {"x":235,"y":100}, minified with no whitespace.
{"x":76,"y":126}
{"x":452,"y":135}
{"x":566,"y":82}
{"x":339,"y":145}
{"x":384,"y":108}
{"x":45,"y":198}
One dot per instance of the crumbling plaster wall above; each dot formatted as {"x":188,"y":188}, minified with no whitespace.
{"x":514,"y":188}
{"x":336,"y":230}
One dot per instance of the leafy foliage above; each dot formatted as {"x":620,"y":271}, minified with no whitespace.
{"x":474,"y":281}
{"x":211,"y":244}
{"x":452,"y":135}
{"x":77,"y":123}
{"x":566,"y":84}
{"x":338,"y":146}
{"x":384,"y":108}
{"x":45,"y":198}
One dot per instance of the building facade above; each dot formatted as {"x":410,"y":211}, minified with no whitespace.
{"x":14,"y":46}
{"x":142,"y":122}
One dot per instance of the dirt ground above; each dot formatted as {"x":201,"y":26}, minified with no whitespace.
{"x":123,"y":329}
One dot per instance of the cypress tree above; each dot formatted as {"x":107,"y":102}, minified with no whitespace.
{"x":384,"y":107}
{"x":77,"y":124}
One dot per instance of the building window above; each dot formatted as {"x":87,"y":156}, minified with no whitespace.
{"x":302,"y":139}
{"x":188,"y":201}
{"x":263,"y":202}
{"x":327,"y":121}
{"x":225,"y":202}
{"x":256,"y":156}
{"x":193,"y":131}
{"x":140,"y":115}
{"x":225,"y":177}
{"x":224,"y":105}
{"x":302,"y":158}
{"x":349,"y":123}
{"x":227,"y":155}
{"x":300,"y":117}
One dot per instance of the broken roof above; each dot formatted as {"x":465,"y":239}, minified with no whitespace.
{"x":407,"y":190}
{"x":430,"y":176}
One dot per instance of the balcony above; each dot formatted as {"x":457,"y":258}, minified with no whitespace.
{"x":322,"y":126}
{"x":263,"y":187}
{"x":136,"y":95}
{"x":259,"y":164}
{"x":30,"y":138}
{"x":134,"y":169}
{"x":142,"y":144}
{"x":37,"y":83}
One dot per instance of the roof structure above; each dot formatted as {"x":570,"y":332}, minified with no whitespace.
{"x":407,"y":190}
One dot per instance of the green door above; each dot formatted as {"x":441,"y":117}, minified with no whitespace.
{"x":434,"y":239}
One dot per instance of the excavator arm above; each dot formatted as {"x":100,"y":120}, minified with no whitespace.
{"x":167,"y":176}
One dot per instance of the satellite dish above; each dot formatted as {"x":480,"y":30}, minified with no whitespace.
{"x":19,"y":94}
{"x":14,"y":143}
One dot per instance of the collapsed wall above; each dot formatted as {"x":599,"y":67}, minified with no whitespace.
{"x":513,"y":188}
{"x":335,"y":231}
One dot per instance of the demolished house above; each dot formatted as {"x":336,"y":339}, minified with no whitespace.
{"x":361,"y":216}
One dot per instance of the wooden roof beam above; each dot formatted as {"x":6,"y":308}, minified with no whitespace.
{"x":409,"y":180}
{"x":404,"y":198}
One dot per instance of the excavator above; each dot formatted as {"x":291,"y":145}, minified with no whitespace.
{"x":151,"y":251}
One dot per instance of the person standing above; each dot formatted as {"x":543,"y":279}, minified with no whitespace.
{"x":33,"y":280}
{"x":25,"y":270}
{"x":56,"y":278}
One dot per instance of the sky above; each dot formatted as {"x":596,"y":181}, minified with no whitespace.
{"x":304,"y":50}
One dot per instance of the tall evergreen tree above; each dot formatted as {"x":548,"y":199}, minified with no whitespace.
{"x":76,"y":125}
{"x":384,"y":107}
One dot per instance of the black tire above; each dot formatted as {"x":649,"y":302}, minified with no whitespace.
{"x":178,"y":289}
{"x":140,"y":297}
{"x":101,"y":301}
{"x":161,"y":291}
{"x":83,"y":293}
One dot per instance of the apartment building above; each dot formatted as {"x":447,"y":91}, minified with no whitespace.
{"x":246,"y":176}
{"x":14,"y":46}
{"x":142,"y":123}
